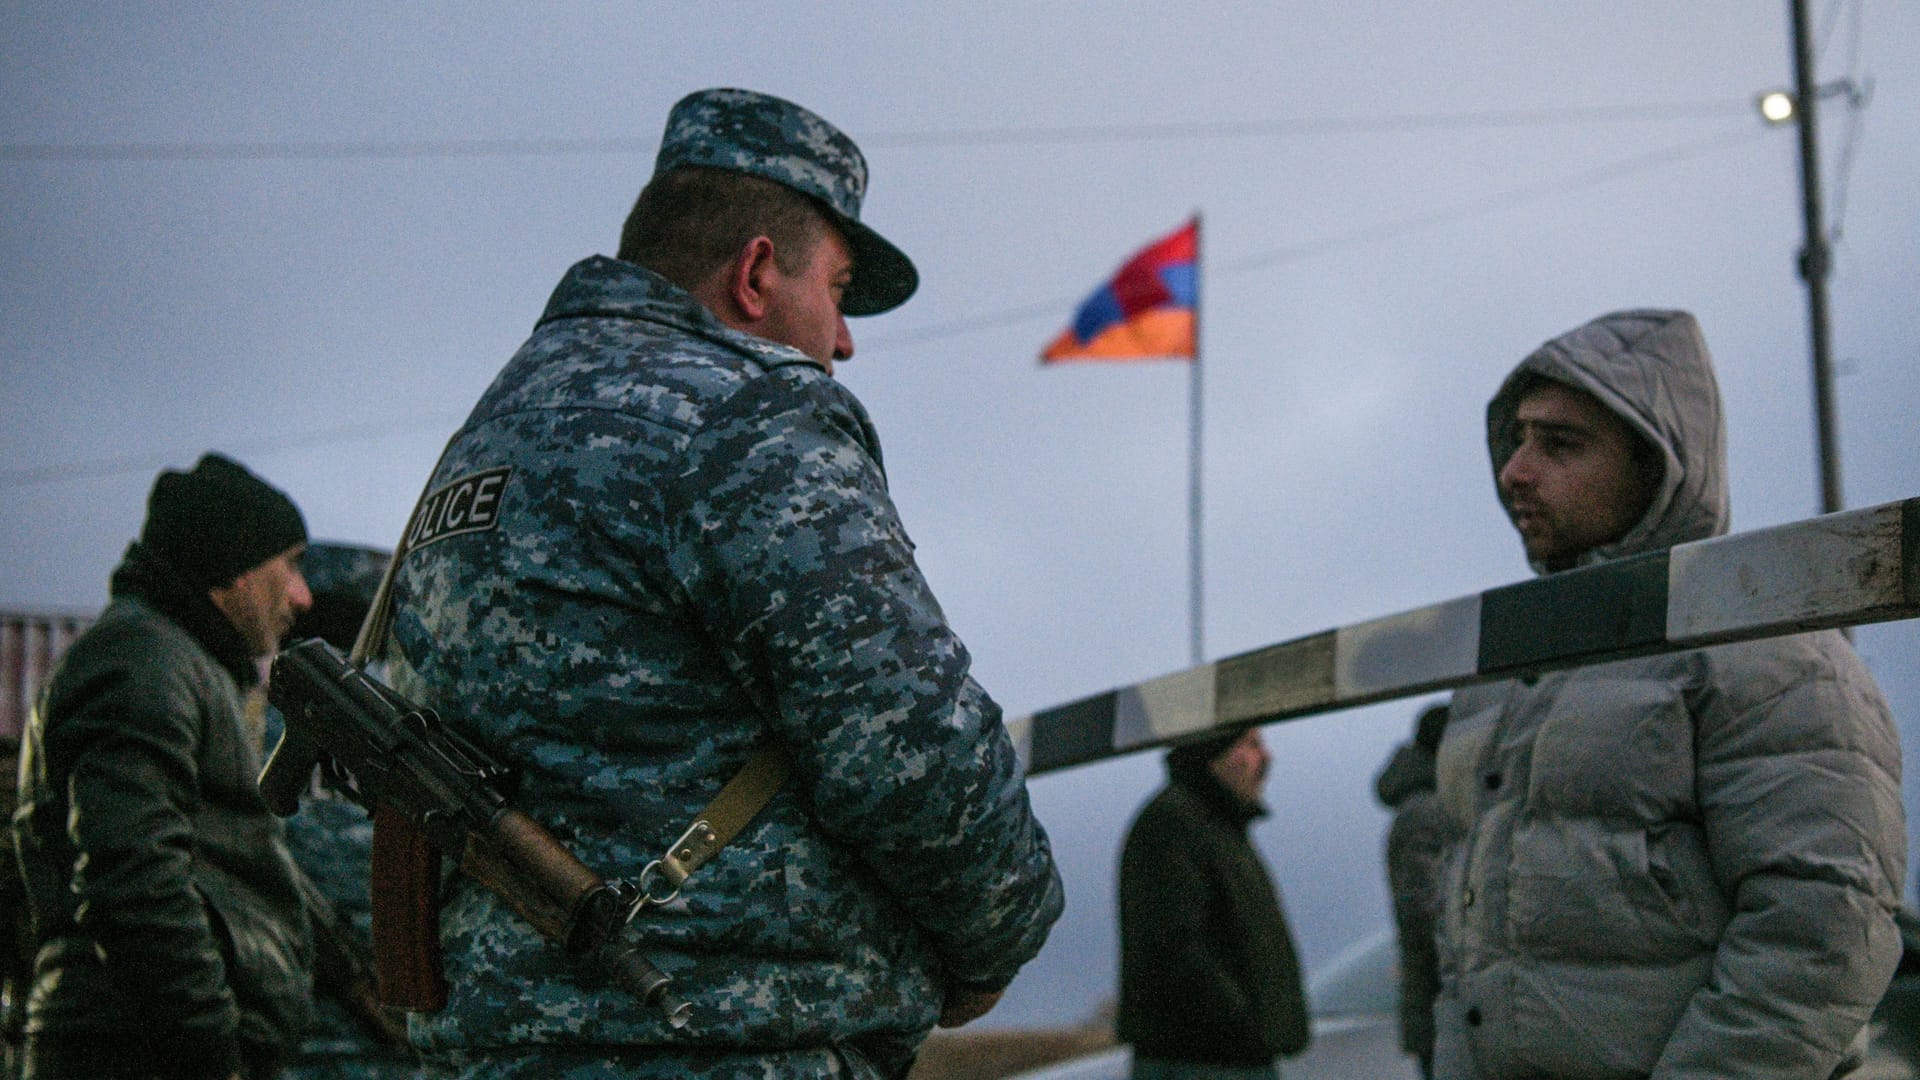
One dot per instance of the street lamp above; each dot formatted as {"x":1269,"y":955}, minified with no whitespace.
{"x":1776,"y":107}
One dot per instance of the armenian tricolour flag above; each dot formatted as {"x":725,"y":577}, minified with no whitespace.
{"x":1148,"y":311}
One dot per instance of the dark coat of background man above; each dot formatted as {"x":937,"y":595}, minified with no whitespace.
{"x":1416,"y":839}
{"x":169,"y":936}
{"x":1209,"y":977}
{"x":1679,"y":866}
{"x":687,"y":548}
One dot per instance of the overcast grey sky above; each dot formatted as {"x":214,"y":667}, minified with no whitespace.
{"x":310,"y":234}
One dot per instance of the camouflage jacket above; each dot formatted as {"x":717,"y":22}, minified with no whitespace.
{"x":655,"y":542}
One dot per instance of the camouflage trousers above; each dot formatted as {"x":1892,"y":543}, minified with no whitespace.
{"x":353,"y":1069}
{"x":609,"y":1063}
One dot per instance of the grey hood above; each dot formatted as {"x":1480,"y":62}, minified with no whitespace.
{"x":1652,"y":369}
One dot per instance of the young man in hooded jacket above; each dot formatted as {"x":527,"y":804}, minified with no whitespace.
{"x":1678,"y":866}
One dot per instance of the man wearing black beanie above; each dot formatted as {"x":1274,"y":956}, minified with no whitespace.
{"x":168,"y":935}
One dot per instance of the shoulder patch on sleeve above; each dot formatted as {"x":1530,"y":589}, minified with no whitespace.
{"x":466,"y":504}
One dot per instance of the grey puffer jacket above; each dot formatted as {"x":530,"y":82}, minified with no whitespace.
{"x":1678,"y":866}
{"x":170,"y":940}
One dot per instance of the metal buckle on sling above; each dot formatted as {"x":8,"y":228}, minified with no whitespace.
{"x":738,"y":801}
{"x":670,"y":871}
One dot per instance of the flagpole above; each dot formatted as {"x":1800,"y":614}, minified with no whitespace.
{"x":1196,"y":609}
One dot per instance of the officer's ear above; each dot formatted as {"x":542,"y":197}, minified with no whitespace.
{"x":748,"y":285}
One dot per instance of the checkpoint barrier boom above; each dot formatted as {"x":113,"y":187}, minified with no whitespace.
{"x":1844,"y":569}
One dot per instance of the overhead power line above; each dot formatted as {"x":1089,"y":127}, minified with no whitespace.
{"x":148,"y":462}
{"x":408,"y":149}
{"x":1386,"y":230}
{"x":1333,"y":125}
{"x":1057,"y":307}
{"x":1826,"y":35}
{"x":1500,"y":200}
{"x":1859,"y":95}
{"x":344,"y":150}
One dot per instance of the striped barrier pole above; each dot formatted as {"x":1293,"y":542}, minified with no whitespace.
{"x":1844,"y":569}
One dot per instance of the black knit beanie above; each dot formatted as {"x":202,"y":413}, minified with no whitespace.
{"x":1195,"y":756}
{"x":218,"y":521}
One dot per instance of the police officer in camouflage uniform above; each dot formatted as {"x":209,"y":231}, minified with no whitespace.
{"x":662,"y":537}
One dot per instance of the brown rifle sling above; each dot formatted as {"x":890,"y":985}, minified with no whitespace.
{"x":738,"y":801}
{"x":721,"y":820}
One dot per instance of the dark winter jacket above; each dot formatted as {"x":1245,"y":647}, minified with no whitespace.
{"x":1415,"y":841}
{"x":169,"y":936}
{"x":1208,"y":970}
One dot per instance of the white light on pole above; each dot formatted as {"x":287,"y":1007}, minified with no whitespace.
{"x":1776,"y":107}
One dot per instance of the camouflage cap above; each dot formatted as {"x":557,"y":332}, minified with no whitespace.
{"x":766,"y":136}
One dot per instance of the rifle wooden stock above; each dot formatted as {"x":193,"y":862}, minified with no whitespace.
{"x":406,"y":915}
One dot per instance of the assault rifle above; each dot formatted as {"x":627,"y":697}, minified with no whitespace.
{"x":432,"y":791}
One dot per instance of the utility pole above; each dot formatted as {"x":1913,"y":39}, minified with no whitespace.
{"x":1815,"y":261}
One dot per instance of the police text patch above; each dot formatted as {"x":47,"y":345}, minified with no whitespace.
{"x":470,"y":503}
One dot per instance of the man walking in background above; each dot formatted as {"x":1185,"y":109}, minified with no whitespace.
{"x":168,"y":932}
{"x":1679,"y":866}
{"x":1209,"y":977}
